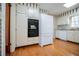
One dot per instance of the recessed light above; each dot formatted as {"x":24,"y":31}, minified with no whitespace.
{"x":67,"y":5}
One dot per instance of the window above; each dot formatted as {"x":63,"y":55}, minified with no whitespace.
{"x":75,"y":21}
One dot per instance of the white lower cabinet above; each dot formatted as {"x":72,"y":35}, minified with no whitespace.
{"x":46,"y":39}
{"x":70,"y":35}
{"x":33,"y":40}
{"x":61,"y":34}
{"x":73,"y":36}
{"x":76,"y":36}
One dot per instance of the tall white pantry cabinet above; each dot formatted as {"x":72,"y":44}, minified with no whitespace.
{"x":21,"y":25}
{"x":46,"y":29}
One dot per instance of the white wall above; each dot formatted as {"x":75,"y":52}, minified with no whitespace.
{"x":3,"y":29}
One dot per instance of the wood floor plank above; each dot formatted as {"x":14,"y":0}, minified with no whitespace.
{"x":59,"y":48}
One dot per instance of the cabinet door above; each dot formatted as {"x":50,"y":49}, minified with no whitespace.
{"x":21,"y":30}
{"x":59,"y":34}
{"x":76,"y":36}
{"x":33,"y":40}
{"x":62,"y":20}
{"x":46,"y":32}
{"x":21,"y":9}
{"x":46,"y":24}
{"x":33,"y":13}
{"x":46,"y":39}
{"x":63,"y":35}
{"x":56,"y":34}
{"x":70,"y":35}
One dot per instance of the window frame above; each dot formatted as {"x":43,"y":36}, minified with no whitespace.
{"x":75,"y":25}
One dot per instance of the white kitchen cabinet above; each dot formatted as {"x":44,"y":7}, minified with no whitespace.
{"x":73,"y":36}
{"x":63,"y":20}
{"x":23,"y":13}
{"x":21,"y":9}
{"x":33,"y":13}
{"x":46,"y":29}
{"x":56,"y":35}
{"x":61,"y":34}
{"x":76,"y":36}
{"x":70,"y":35}
{"x":32,"y":40}
{"x":22,"y":38}
{"x":46,"y":39}
{"x":21,"y":30}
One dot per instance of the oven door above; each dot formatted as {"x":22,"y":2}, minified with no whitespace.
{"x":33,"y":28}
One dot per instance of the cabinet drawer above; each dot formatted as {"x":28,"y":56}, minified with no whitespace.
{"x":33,"y":40}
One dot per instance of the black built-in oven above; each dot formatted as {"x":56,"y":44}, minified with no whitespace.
{"x":33,"y":27}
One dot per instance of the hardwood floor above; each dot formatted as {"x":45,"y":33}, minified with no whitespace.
{"x":59,"y":48}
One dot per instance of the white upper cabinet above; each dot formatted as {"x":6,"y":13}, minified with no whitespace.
{"x":33,"y":13}
{"x":21,"y":8}
{"x":62,"y":20}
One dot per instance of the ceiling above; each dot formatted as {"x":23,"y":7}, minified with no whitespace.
{"x":56,"y":8}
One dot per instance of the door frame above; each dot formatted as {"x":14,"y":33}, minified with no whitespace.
{"x":7,"y":29}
